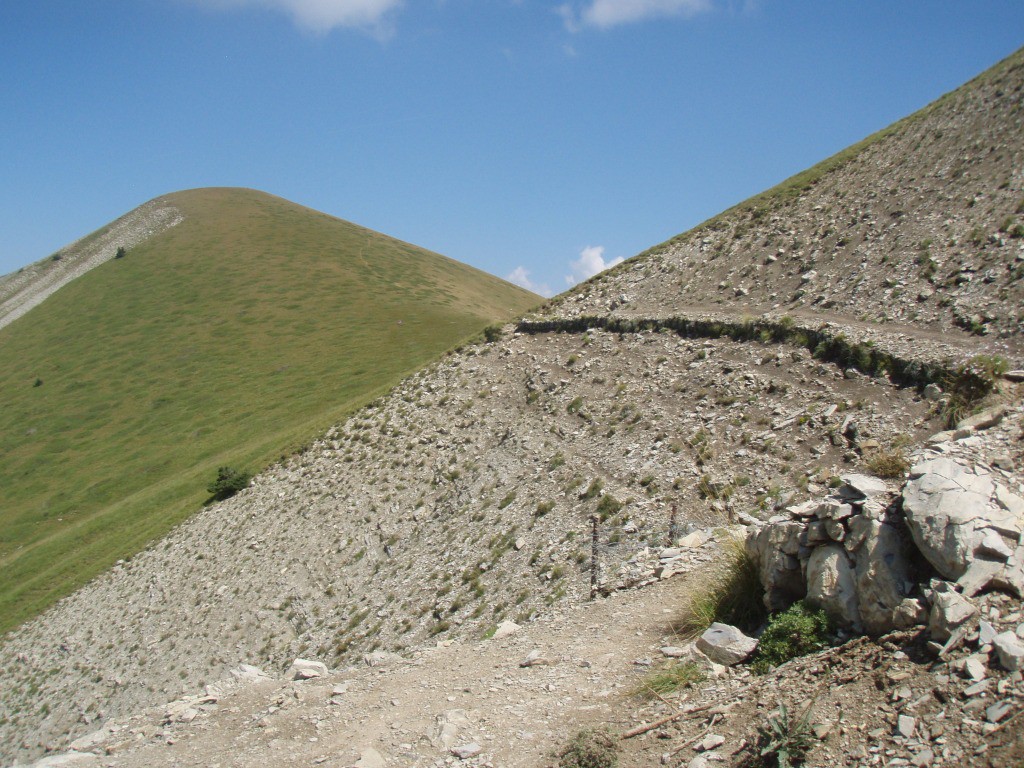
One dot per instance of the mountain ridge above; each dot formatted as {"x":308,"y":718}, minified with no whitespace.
{"x":466,"y":496}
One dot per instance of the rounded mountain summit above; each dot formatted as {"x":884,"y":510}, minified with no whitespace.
{"x":206,"y":328}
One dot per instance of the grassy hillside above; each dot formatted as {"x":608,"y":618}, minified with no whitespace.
{"x":227,"y":340}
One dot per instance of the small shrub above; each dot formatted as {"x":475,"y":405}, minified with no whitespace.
{"x":784,"y":742}
{"x":889,"y":464}
{"x":730,"y":592}
{"x":229,"y":481}
{"x":794,"y":632}
{"x":970,"y":384}
{"x":593,"y":489}
{"x":507,"y":500}
{"x":608,"y":506}
{"x":543,"y":508}
{"x":121,"y":252}
{"x":590,"y":749}
{"x":665,"y":681}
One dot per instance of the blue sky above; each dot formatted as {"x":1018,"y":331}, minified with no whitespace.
{"x":541,"y":140}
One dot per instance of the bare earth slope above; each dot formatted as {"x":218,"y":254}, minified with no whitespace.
{"x":464,"y":497}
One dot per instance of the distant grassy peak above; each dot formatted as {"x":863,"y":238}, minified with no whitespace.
{"x":228,"y":339}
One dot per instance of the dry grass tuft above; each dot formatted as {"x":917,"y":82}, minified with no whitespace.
{"x":729,"y":592}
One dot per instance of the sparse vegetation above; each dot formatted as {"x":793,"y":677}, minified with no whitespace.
{"x":782,"y":741}
{"x":729,"y":592}
{"x":889,"y":464}
{"x":662,"y":682}
{"x":590,"y":749}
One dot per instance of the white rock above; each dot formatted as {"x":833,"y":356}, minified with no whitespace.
{"x":68,"y":760}
{"x":992,"y":544}
{"x":883,"y":576}
{"x":534,"y":658}
{"x":370,"y":758}
{"x":248,"y":673}
{"x":306,"y":669}
{"x":974,"y":669}
{"x":1009,"y":650}
{"x":695,"y":539}
{"x":865,"y":486}
{"x":505,"y":629}
{"x":725,"y":644}
{"x":466,"y":751}
{"x":711,"y":741}
{"x":381,"y":658}
{"x":945,"y":504}
{"x":950,"y":611}
{"x":831,"y":585}
{"x":905,"y":726}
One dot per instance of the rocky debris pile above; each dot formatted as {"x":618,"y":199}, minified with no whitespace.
{"x":685,"y":554}
{"x":867,"y":556}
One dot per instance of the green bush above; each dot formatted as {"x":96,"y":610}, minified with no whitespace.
{"x":590,"y":749}
{"x":608,"y":506}
{"x":794,"y":632}
{"x":492,"y":333}
{"x":593,"y":489}
{"x":229,"y":481}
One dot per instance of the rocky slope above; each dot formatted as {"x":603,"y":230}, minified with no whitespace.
{"x":920,"y":225}
{"x":28,"y":287}
{"x":464,"y":497}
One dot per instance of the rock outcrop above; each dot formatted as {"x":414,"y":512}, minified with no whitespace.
{"x":869,"y":556}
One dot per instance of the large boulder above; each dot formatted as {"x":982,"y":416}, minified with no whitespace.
{"x":883,"y":579}
{"x":832,"y":586}
{"x":774,"y":548}
{"x":957,"y":515}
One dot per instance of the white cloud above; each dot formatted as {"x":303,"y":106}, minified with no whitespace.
{"x":611,"y":13}
{"x":521,"y":276}
{"x":321,"y":15}
{"x":590,"y":262}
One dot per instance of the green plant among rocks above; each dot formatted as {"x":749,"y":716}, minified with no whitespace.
{"x":968,"y":385}
{"x":590,"y":748}
{"x":783,"y":742}
{"x":794,"y":632}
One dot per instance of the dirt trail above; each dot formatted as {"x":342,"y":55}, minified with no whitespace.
{"x":520,"y":716}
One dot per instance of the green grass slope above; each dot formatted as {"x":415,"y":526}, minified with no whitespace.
{"x":228,"y":340}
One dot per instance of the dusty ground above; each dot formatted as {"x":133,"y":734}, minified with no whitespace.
{"x":519,"y":715}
